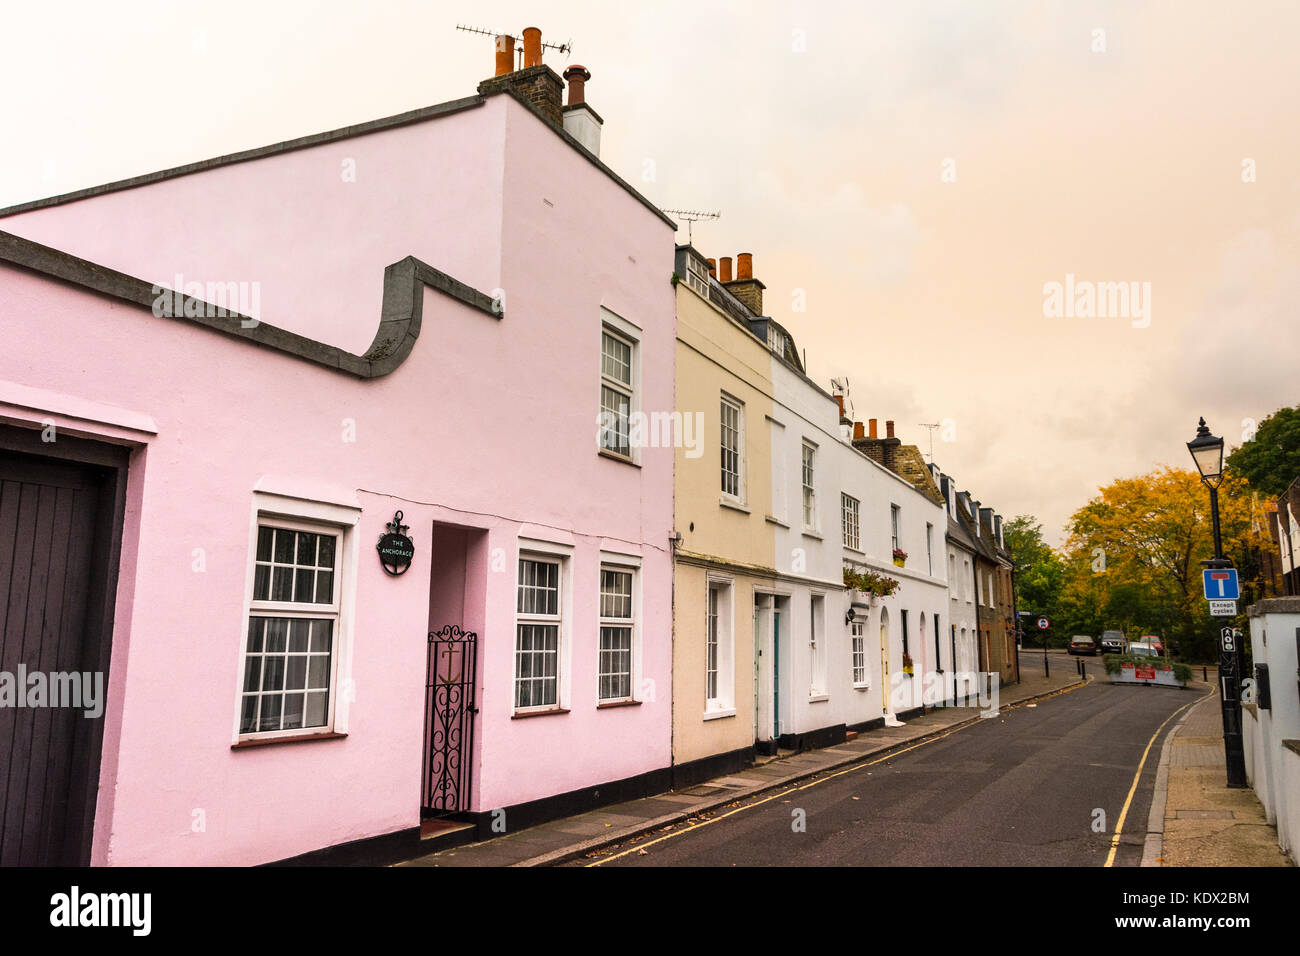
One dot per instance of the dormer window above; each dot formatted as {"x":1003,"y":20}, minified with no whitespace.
{"x":775,"y":339}
{"x":697,"y":275}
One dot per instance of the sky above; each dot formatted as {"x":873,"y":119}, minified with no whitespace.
{"x":911,"y":178}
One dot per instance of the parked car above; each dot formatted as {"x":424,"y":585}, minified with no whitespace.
{"x":1113,"y":642}
{"x":1082,"y":644}
{"x":1142,"y":649}
{"x":1156,"y":641}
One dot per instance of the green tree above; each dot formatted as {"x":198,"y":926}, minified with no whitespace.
{"x":1038,"y":568}
{"x":1140,"y":543}
{"x":1272,"y":460}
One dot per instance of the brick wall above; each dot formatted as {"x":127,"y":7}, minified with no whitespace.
{"x":539,"y":86}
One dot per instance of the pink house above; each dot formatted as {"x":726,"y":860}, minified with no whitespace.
{"x":425,"y":314}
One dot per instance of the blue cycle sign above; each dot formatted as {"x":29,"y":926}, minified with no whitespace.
{"x":1220,"y":584}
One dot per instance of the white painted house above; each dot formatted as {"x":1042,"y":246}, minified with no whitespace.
{"x":820,"y":673}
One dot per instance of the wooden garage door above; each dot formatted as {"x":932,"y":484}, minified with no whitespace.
{"x":50,"y":514}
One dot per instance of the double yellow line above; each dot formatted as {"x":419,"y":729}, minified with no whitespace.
{"x":812,"y":783}
{"x":1123,"y":813}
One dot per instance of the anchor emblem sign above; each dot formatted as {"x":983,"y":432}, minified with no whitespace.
{"x":395,"y":549}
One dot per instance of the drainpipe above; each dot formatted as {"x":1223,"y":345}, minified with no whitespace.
{"x":952,"y":650}
{"x":1015,"y":617}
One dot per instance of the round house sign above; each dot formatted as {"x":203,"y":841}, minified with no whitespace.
{"x":395,"y":549}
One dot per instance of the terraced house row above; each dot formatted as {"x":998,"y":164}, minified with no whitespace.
{"x":332,"y":459}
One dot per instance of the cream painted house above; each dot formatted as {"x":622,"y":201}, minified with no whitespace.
{"x":722,"y":493}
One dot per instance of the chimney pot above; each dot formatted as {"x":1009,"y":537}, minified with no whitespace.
{"x":577,"y":76}
{"x":889,"y":429}
{"x":839,"y":400}
{"x":532,"y":46}
{"x":726,"y":269}
{"x":713,"y":268}
{"x":872,"y":423}
{"x":857,"y":430}
{"x":745,"y":265}
{"x":505,"y":54}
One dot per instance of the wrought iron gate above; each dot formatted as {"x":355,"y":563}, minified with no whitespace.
{"x":449,"y":710}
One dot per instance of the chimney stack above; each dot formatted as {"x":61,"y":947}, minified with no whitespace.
{"x":505,"y":54}
{"x":883,"y":451}
{"x":725,"y":275}
{"x":580,"y":120}
{"x":745,"y":287}
{"x":534,"y":83}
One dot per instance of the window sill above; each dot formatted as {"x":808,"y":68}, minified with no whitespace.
{"x":538,"y":713}
{"x":818,"y":698}
{"x":615,"y":456}
{"x":718,"y":714}
{"x":776,"y":521}
{"x":812,"y":533}
{"x":606,"y":705}
{"x":857,"y":551}
{"x":862,"y":687}
{"x":733,"y":504}
{"x":296,"y":739}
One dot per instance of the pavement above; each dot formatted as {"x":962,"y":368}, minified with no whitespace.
{"x":1195,"y":819}
{"x":566,"y":839}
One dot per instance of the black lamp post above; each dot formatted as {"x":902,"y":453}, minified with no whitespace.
{"x":1207,"y":452}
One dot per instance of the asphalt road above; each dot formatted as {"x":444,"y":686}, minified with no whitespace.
{"x":1020,"y":789}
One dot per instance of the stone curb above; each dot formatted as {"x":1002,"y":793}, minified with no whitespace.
{"x":1154,"y":845}
{"x":564,"y":854}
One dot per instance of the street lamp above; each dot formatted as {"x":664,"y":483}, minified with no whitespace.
{"x":1207,"y":452}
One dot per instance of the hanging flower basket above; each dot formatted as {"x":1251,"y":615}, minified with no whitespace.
{"x":907,"y":664}
{"x":869,"y":582}
{"x":900,"y":557}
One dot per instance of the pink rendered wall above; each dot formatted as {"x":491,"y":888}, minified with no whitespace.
{"x":292,"y":223}
{"x":488,"y":423}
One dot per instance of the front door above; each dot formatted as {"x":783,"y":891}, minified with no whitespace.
{"x":56,"y":527}
{"x":776,"y":670}
{"x":758,"y":657}
{"x":884,"y":666}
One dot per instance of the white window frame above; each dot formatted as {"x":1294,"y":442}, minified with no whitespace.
{"x":895,"y":513}
{"x":808,"y":473}
{"x":719,"y":631}
{"x":629,"y":334}
{"x":858,"y":654}
{"x":621,"y":565}
{"x":929,"y":548}
{"x":560,"y":556}
{"x":851,"y":521}
{"x":730,"y":403}
{"x":316,"y":517}
{"x":817,"y":641}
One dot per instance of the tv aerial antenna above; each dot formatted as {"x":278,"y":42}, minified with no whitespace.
{"x":565,"y":47}
{"x":931,"y":426}
{"x":692,"y":216}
